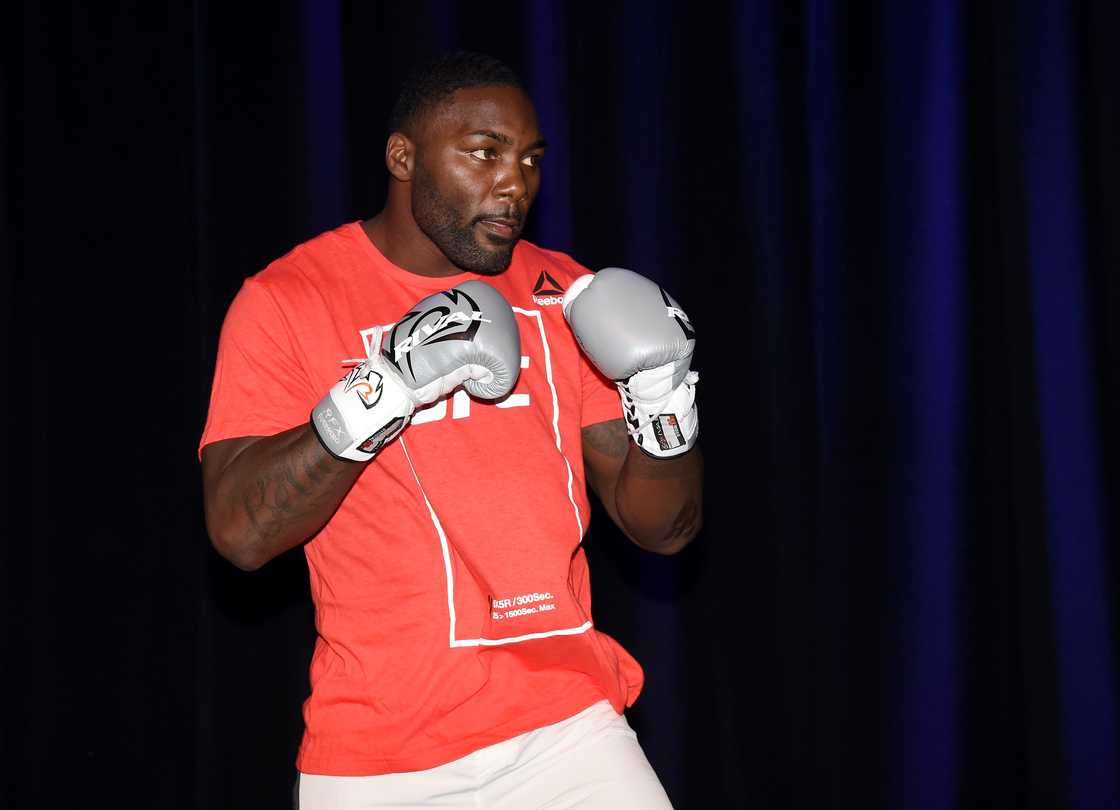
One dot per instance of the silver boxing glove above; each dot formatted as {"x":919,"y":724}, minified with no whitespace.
{"x":638,"y":336}
{"x":465,"y":336}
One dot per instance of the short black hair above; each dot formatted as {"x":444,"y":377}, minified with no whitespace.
{"x":436,"y":81}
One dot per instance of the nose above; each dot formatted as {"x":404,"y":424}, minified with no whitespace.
{"x":510,"y":183}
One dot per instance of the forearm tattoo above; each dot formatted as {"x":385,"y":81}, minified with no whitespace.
{"x":297,"y":491}
{"x":609,"y":438}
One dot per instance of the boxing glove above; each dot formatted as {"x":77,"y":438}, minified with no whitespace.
{"x":638,"y":336}
{"x":465,"y":336}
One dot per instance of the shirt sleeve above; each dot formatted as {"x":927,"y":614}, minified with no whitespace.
{"x":260,"y":388}
{"x":601,"y":401}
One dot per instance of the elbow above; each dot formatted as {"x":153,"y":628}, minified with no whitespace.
{"x":676,"y":542}
{"x":681,"y":542}
{"x":662,"y":512}
{"x":240,"y":556}
{"x":243,"y":560}
{"x":673,"y":538}
{"x":232,"y":545}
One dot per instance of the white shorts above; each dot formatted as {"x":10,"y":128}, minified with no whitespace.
{"x":591,"y":761}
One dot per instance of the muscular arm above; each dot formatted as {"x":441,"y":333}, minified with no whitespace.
{"x":266,"y":494}
{"x":656,"y":502}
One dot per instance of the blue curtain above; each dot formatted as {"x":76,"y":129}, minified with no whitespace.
{"x":897,"y":227}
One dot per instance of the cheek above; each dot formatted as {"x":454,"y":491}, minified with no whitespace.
{"x":532,"y":186}
{"x":455,"y":184}
{"x":461,"y":183}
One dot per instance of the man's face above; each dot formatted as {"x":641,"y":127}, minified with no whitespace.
{"x":477,"y":173}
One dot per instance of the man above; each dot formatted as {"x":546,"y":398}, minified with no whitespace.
{"x":456,"y":663}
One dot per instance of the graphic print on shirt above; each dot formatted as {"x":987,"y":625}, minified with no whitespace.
{"x":547,"y":291}
{"x":515,"y":588}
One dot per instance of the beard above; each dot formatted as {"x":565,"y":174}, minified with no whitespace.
{"x":440,"y":221}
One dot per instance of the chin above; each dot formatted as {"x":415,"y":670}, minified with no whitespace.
{"x":491,"y":269}
{"x":492,"y":262}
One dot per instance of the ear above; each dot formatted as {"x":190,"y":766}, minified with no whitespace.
{"x":400,"y":156}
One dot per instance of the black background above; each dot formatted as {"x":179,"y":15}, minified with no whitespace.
{"x":156,"y":154}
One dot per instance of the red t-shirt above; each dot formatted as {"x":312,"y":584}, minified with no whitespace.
{"x":452,"y":596}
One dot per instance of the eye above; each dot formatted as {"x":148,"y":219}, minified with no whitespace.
{"x":532,"y":160}
{"x":481,"y":154}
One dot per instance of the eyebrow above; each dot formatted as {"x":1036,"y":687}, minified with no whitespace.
{"x":508,"y":141}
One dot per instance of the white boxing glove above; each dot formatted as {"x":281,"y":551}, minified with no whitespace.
{"x":638,"y":336}
{"x":463,"y":336}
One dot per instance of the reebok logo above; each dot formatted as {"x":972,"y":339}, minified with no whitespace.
{"x":546,"y":291}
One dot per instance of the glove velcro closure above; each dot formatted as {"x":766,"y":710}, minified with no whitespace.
{"x":663,"y":424}
{"x":363,"y":411}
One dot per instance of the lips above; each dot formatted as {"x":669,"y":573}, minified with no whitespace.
{"x":502,"y":227}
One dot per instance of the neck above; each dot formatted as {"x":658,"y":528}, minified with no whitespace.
{"x":395,"y":233}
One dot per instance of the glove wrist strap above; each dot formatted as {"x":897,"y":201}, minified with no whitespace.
{"x":363,"y":411}
{"x":667,"y":431}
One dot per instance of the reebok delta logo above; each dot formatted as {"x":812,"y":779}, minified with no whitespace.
{"x":546,"y":291}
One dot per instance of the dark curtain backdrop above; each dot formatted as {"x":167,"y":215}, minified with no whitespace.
{"x":896,"y":226}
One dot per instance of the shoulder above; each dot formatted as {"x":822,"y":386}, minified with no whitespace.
{"x":321,"y":260}
{"x":560,"y":265}
{"x":294,"y":286}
